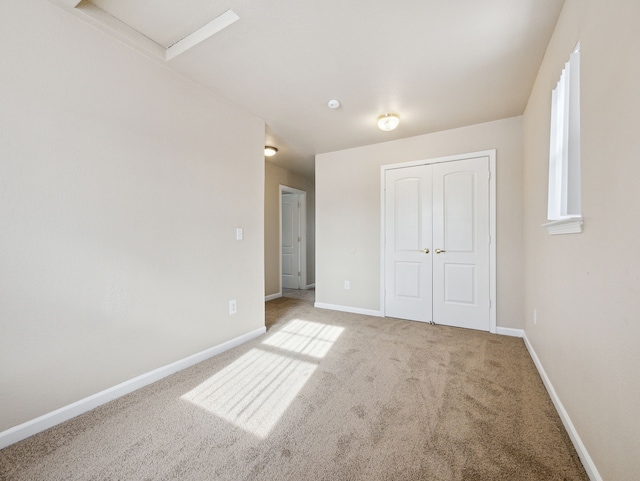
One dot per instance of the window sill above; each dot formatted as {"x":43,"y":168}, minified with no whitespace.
{"x":570,"y":225}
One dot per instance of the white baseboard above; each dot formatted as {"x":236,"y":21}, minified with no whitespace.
{"x":271,"y":297}
{"x":508,"y":331}
{"x":354,"y":310}
{"x":311,"y":286}
{"x":46,"y":421}
{"x":587,"y":462}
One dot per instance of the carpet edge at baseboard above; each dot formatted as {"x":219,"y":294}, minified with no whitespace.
{"x":46,"y":421}
{"x":352,"y":310}
{"x":581,"y":449}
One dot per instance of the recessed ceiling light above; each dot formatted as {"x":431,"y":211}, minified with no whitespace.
{"x":333,"y":104}
{"x":270,"y":151}
{"x":388,"y":122}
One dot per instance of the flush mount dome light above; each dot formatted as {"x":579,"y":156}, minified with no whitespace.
{"x":270,"y":151}
{"x":388,"y":122}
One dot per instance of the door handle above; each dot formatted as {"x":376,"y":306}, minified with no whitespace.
{"x":439,"y":251}
{"x":426,"y":251}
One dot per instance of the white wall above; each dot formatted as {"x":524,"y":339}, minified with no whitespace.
{"x":348,"y":213}
{"x":275,"y":176}
{"x":121,"y":185}
{"x":586,"y":287}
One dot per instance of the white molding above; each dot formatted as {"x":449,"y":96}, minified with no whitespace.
{"x":311,"y":286}
{"x":46,"y":421}
{"x":66,"y":3}
{"x":509,"y":331}
{"x":493,"y":286}
{"x":382,"y":240}
{"x":493,"y":250}
{"x":116,"y":28}
{"x":271,"y":297}
{"x":572,"y":225}
{"x":436,"y":160}
{"x":353,"y":310}
{"x":216,"y":25}
{"x":587,"y":462}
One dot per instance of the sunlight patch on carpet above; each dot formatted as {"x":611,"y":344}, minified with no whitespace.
{"x":254,"y":391}
{"x":305,"y":337}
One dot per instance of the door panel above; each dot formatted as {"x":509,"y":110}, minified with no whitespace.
{"x":287,"y":265}
{"x":407,"y":214}
{"x":458,"y":191}
{"x":461,"y":231}
{"x":408,"y":231}
{"x":407,"y":276}
{"x":460,"y":283}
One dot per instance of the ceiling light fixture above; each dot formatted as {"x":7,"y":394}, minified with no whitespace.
{"x":333,"y":104}
{"x":388,"y":122}
{"x":270,"y":151}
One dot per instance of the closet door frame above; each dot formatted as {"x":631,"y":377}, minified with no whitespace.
{"x":491,"y":155}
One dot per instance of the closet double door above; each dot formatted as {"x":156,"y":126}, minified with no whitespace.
{"x":437,"y":240}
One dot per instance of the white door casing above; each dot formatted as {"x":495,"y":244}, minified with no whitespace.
{"x":446,"y":205}
{"x":290,"y":241}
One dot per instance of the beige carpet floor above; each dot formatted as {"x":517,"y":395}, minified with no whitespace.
{"x":304,"y":294}
{"x":324,"y":396}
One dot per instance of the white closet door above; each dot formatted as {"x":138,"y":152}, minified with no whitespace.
{"x":437,"y":243}
{"x":290,"y":241}
{"x":461,"y":290}
{"x":408,"y":223}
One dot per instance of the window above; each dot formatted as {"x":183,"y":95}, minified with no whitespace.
{"x":564,"y":153}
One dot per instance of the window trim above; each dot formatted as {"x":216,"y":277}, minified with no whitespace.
{"x":564,"y":199}
{"x":570,"y":225}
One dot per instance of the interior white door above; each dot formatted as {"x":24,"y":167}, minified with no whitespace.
{"x":442,"y":209}
{"x":461,"y":289}
{"x":290,"y":241}
{"x":408,"y":226}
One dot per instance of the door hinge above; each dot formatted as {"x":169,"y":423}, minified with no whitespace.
{"x":489,"y":238}
{"x":489,"y":175}
{"x":489,"y":303}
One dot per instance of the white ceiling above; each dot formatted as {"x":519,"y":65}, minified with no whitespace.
{"x":439,"y":64}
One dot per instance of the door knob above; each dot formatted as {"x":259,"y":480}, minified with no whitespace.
{"x":426,"y":251}
{"x":438,"y":251}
